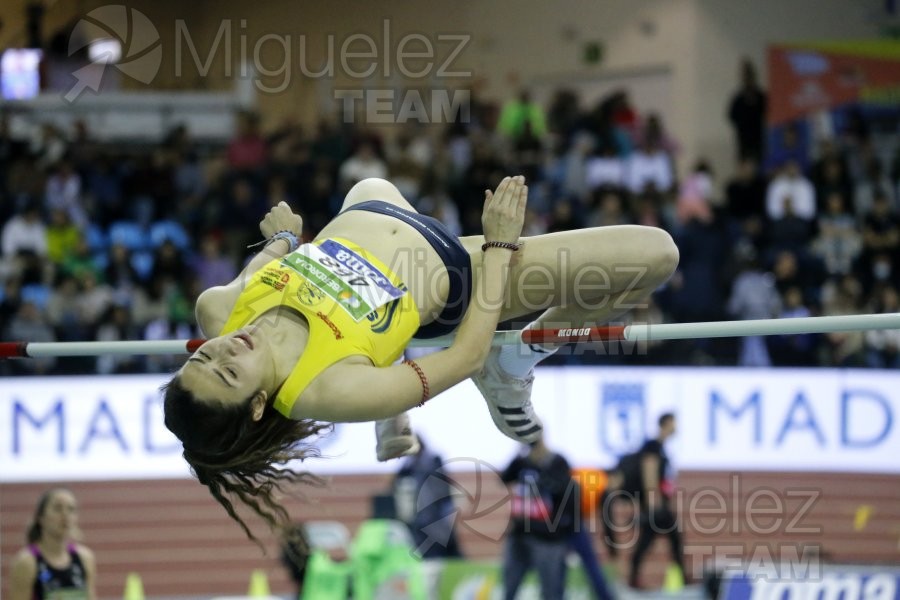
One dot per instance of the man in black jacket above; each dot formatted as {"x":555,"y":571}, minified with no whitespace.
{"x":657,"y":488}
{"x":542,"y":520}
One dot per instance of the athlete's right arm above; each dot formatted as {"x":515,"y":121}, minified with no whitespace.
{"x":349,"y":392}
{"x":215,"y":304}
{"x":21,"y":576}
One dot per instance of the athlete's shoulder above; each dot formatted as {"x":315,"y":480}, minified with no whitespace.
{"x":24,"y":561}
{"x":213,"y":307}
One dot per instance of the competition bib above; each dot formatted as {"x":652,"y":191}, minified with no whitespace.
{"x":354,"y":283}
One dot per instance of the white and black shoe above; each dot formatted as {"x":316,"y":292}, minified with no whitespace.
{"x":509,"y":400}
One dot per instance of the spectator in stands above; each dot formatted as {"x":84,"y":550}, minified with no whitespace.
{"x":404,"y":169}
{"x":791,"y":270}
{"x":608,"y":209}
{"x":830,"y":177}
{"x":839,"y":242}
{"x":117,"y":325}
{"x":12,"y":150}
{"x":657,"y":515}
{"x":242,"y":204}
{"x":120,"y":273}
{"x":211,"y":267}
{"x":542,"y":513}
{"x":94,"y":297}
{"x":746,"y":192}
{"x":81,"y":259}
{"x":247,"y":152}
{"x":25,"y":232}
{"x":63,"y":192}
{"x":295,"y":554}
{"x":522,"y":116}
{"x":54,"y":564}
{"x":696,"y":292}
{"x":65,"y":312}
{"x":747,"y":114}
{"x":564,"y":217}
{"x":103,"y":184}
{"x":874,"y":183}
{"x":528,"y":155}
{"x":63,"y":237}
{"x":881,"y":229}
{"x":753,"y":296}
{"x":362,"y":164}
{"x":789,"y":231}
{"x":882,"y":271}
{"x":624,"y":117}
{"x":793,"y":350}
{"x":423,"y":498}
{"x":29,"y":324}
{"x":882,"y":346}
{"x":843,"y":296}
{"x":649,"y":167}
{"x":789,"y":145}
{"x":790,"y":183}
{"x":605,"y":169}
{"x":654,"y":130}
{"x":695,"y":195}
{"x":438,"y":203}
{"x":563,"y":117}
{"x":10,"y":300}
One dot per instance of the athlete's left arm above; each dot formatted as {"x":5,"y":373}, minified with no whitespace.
{"x":353,"y":392}
{"x":90,"y":568}
{"x":216,"y":303}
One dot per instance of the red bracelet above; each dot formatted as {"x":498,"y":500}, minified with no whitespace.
{"x":426,"y":393}
{"x":507,"y":245}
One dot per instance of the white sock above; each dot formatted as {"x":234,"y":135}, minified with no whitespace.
{"x":517,"y":360}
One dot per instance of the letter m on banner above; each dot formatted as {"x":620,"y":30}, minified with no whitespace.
{"x":622,"y":416}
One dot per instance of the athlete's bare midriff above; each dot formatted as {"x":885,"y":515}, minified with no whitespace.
{"x":403,"y":249}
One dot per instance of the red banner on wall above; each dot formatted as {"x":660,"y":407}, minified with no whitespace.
{"x":807,"y":79}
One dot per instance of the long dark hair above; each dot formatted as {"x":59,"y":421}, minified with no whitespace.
{"x":237,"y":457}
{"x":35,"y":531}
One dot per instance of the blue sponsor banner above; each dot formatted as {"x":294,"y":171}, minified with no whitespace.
{"x":829,"y":583}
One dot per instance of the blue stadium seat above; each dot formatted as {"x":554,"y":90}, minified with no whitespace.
{"x":96,"y":238}
{"x":160,"y":231}
{"x":129,"y":234}
{"x":36,"y":294}
{"x":143,"y":264}
{"x":100,"y":260}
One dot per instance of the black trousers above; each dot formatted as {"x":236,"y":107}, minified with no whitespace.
{"x":662,"y":521}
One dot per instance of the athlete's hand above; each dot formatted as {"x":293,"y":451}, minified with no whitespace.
{"x":281,"y":218}
{"x":504,"y":211}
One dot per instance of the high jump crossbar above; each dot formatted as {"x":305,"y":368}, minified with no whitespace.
{"x":636,"y":332}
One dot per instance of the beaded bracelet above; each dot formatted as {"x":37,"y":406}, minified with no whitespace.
{"x":284,"y":234}
{"x":507,"y":245}
{"x":426,"y":393}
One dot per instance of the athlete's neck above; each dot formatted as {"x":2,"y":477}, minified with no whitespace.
{"x":286,"y":332}
{"x":52,"y":547}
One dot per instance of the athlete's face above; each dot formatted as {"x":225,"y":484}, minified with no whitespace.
{"x":230,"y":368}
{"x":59,"y":516}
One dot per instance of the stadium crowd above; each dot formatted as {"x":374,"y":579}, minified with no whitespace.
{"x":114,"y":241}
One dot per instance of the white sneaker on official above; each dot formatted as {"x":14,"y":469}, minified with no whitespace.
{"x":395,"y":438}
{"x":509,"y":400}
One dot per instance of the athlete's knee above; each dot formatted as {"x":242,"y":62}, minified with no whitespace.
{"x":664,"y":254}
{"x":374,"y":185}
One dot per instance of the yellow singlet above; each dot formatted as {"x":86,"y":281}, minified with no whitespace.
{"x":354,"y":304}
